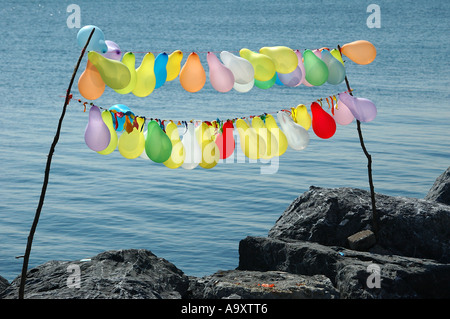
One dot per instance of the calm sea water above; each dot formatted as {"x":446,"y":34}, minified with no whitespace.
{"x":196,"y":219}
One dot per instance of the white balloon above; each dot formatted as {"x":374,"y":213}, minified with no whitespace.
{"x":192,"y":148}
{"x":241,"y":68}
{"x":243,"y":88}
{"x":297,"y":136}
{"x":144,"y":154}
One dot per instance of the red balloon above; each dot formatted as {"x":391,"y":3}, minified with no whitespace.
{"x":323,"y":124}
{"x":225,"y":140}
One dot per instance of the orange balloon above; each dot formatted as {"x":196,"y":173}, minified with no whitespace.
{"x":192,"y":75}
{"x":90,"y":83}
{"x":361,"y":51}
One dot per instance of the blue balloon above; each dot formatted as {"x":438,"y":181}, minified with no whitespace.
{"x":119,"y":121}
{"x":278,"y":81}
{"x":97,"y":42}
{"x":160,"y":69}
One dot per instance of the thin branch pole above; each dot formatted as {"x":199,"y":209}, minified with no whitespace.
{"x":369,"y":168}
{"x":46,"y":176}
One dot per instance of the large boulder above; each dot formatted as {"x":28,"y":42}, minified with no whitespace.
{"x":121,"y":274}
{"x":241,"y":284}
{"x":353,"y":273}
{"x":407,"y":226}
{"x":440,"y":191}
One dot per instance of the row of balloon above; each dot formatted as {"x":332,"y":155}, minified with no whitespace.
{"x":205,"y":143}
{"x":271,"y":65}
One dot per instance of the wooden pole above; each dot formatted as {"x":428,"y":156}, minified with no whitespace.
{"x":369,"y":167}
{"x":46,"y":175}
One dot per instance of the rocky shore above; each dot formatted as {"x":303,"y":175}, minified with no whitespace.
{"x":321,"y":247}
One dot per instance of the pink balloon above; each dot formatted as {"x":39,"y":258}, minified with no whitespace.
{"x":96,"y":134}
{"x":342,"y":114}
{"x":221,"y":77}
{"x":362,"y":109}
{"x":317,"y":53}
{"x":302,"y":68}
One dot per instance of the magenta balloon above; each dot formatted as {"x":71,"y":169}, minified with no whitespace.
{"x":342,"y":114}
{"x":291,"y":79}
{"x":114,"y":52}
{"x":221,"y":77}
{"x":362,"y":109}
{"x":96,"y":134}
{"x":302,"y":69}
{"x":317,"y":53}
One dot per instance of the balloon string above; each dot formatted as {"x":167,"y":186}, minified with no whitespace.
{"x":184,"y":122}
{"x":203,"y":52}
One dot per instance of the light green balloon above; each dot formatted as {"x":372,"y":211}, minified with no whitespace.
{"x":316,"y":71}
{"x":158,"y":146}
{"x":114,"y":73}
{"x":129,"y":60}
{"x":266,"y":84}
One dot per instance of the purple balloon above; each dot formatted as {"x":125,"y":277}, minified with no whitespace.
{"x":114,"y":52}
{"x":291,"y":79}
{"x":362,"y":109}
{"x":96,"y":135}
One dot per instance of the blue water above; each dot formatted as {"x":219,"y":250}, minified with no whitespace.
{"x":196,"y":219}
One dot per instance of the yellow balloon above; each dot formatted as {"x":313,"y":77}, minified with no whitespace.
{"x":285,"y":59}
{"x":114,"y":73}
{"x":129,"y":60}
{"x":107,"y":119}
{"x":173,"y":66}
{"x":145,"y":76}
{"x":263,"y":65}
{"x":210,"y":150}
{"x":269,"y":140}
{"x":361,"y":51}
{"x":251,"y":144}
{"x":337,"y":55}
{"x":282,"y":141}
{"x":131,"y":145}
{"x":301,"y":116}
{"x":178,"y":154}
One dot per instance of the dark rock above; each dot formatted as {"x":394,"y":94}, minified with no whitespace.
{"x":3,"y":284}
{"x":236,"y":284}
{"x":122,"y":274}
{"x":350,"y":271}
{"x":407,"y":226}
{"x":440,"y":191}
{"x":304,"y":257}
{"x":362,"y":240}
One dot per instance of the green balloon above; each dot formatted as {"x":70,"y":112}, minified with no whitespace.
{"x":158,"y":146}
{"x":114,"y":73}
{"x":316,"y":71}
{"x":266,"y":84}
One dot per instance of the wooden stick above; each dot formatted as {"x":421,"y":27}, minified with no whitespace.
{"x":46,"y":176}
{"x":369,"y":168}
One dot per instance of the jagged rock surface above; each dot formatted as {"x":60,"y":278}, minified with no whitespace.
{"x":121,"y":274}
{"x":407,"y":226}
{"x":348,"y":270}
{"x":440,"y":191}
